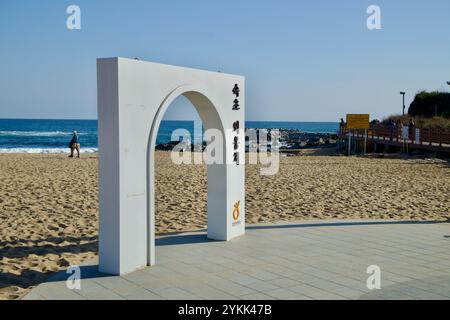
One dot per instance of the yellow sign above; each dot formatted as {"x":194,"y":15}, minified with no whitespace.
{"x":236,"y":212}
{"x":358,"y":121}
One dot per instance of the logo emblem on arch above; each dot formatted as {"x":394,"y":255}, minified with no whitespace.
{"x":236,"y":212}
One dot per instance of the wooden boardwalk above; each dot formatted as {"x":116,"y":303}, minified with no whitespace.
{"x":410,"y":138}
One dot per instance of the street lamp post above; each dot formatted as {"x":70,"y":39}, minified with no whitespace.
{"x":403,"y":94}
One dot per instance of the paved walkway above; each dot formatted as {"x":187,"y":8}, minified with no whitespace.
{"x":319,"y":260}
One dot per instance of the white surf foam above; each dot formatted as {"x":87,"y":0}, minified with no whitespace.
{"x":45,"y":150}
{"x":37,"y":133}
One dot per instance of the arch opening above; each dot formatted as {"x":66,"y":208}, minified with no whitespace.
{"x":210,"y":118}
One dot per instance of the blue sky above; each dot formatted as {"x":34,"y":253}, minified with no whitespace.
{"x":303,"y":60}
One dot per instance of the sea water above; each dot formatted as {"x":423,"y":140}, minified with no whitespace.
{"x":53,"y":136}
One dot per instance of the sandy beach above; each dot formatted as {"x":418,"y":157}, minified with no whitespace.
{"x":49,"y":203}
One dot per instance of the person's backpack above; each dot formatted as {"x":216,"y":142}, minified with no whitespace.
{"x":71,"y":142}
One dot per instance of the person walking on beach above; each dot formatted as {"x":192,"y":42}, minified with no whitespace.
{"x":74,"y":145}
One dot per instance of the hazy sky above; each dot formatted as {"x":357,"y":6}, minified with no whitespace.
{"x":303,"y":60}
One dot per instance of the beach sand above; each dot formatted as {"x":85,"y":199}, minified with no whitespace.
{"x":49,"y":209}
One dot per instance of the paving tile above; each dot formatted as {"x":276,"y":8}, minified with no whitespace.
{"x":262,"y":286}
{"x":204,"y":291}
{"x":242,"y":279}
{"x":33,"y":295}
{"x":142,"y":294}
{"x":174,"y":293}
{"x":58,"y":291}
{"x":283,"y":294}
{"x":257,"y":296}
{"x":262,"y":275}
{"x":231,"y":288}
{"x":284,"y":282}
{"x":91,"y":290}
{"x":316,"y":293}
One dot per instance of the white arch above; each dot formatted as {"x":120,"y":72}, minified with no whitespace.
{"x":211,"y":119}
{"x":132,"y":99}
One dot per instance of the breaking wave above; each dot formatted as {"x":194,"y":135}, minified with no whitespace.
{"x":45,"y":150}
{"x":37,"y":133}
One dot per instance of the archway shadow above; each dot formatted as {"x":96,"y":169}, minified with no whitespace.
{"x":26,"y":279}
{"x":10,"y":251}
{"x":32,"y":278}
{"x":180,"y":239}
{"x":343,"y":224}
{"x":201,"y":236}
{"x":22,"y":248}
{"x":86,"y":272}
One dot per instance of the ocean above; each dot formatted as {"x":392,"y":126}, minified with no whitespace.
{"x":53,"y":136}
